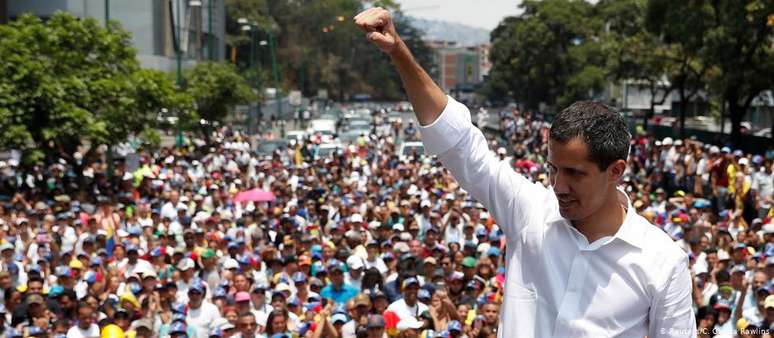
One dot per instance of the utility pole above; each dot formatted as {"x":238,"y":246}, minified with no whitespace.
{"x":179,"y":56}
{"x":110,"y":146}
{"x":277,"y":95}
{"x":211,"y":36}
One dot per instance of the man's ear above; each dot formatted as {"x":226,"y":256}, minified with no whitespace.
{"x":616,"y":170}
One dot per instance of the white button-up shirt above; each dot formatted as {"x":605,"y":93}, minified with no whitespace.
{"x":632,"y":284}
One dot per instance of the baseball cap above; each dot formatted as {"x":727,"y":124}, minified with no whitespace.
{"x":196,"y":286}
{"x":178,"y":327}
{"x":299,"y":277}
{"x":355,"y":262}
{"x":362,"y":299}
{"x":769,"y":302}
{"x":209,"y":253}
{"x":35,"y":299}
{"x":410,"y":322}
{"x":469,"y":262}
{"x":230,"y":264}
{"x":242,"y":297}
{"x":356,"y":218}
{"x":339,"y":318}
{"x":185,"y":264}
{"x":375,"y":321}
{"x":454,"y":325}
{"x":410,"y":281}
{"x":430,"y":260}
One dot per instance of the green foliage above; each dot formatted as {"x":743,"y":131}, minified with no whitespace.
{"x":68,"y":82}
{"x":215,"y":88}
{"x":548,"y":55}
{"x":732,"y":38}
{"x":559,"y":51}
{"x":319,"y":47}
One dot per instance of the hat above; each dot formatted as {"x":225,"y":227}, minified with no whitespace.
{"x":35,"y":299}
{"x":242,"y":297}
{"x":362,"y":299}
{"x":209,"y":253}
{"x":454,"y":325}
{"x":723,"y":255}
{"x":375,"y":321}
{"x":299,"y":277}
{"x":6,"y":246}
{"x":185,"y":264}
{"x":230,"y":264}
{"x":355,"y":262}
{"x":769,"y":302}
{"x":336,"y":265}
{"x":410,"y":281}
{"x":430,"y":260}
{"x":178,"y":327}
{"x":142,"y":323}
{"x":223,"y":324}
{"x":410,"y":322}
{"x":196,"y":286}
{"x":129,"y":297}
{"x":356,"y":218}
{"x":724,"y":304}
{"x":339,"y":318}
{"x":424,"y":295}
{"x":738,"y":268}
{"x":469,"y":262}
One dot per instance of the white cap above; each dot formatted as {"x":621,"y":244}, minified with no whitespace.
{"x":409,"y":322}
{"x":501,"y":151}
{"x":230,"y":264}
{"x":398,"y":226}
{"x":373,"y":225}
{"x":356,"y":218}
{"x":355,"y":262}
{"x":723,"y":255}
{"x":424,"y":204}
{"x":282,"y":287}
{"x":714,"y":150}
{"x":667,"y":141}
{"x":744,"y":161}
{"x":185,"y":264}
{"x":679,"y":142}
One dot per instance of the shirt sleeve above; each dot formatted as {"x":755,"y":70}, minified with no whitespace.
{"x":671,"y":314}
{"x":463,"y":150}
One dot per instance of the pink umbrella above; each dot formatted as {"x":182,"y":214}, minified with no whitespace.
{"x":254,"y":195}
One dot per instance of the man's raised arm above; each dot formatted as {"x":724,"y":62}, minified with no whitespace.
{"x":448,"y":132}
{"x":427,"y":99}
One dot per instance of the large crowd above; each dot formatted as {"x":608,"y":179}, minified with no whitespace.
{"x":363,"y":243}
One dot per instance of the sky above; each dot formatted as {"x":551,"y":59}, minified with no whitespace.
{"x":477,"y":13}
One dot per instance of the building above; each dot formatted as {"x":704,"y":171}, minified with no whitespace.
{"x":459,"y":70}
{"x":152,"y":23}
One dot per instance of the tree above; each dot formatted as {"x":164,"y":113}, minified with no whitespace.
{"x":69,"y":85}
{"x":733,"y":39}
{"x":549,"y":55}
{"x":633,"y":53}
{"x":215,"y":89}
{"x":320,"y":48}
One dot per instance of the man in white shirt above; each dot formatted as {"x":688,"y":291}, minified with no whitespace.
{"x":408,"y":306}
{"x":201,"y":313}
{"x":86,"y":328}
{"x":580,"y":261}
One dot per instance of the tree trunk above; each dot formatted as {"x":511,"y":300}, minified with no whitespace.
{"x":736,"y":112}
{"x":683,"y":108}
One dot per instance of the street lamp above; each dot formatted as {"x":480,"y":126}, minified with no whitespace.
{"x":247,"y":25}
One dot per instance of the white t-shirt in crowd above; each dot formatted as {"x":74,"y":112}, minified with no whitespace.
{"x":403,"y":310}
{"x":202,"y":318}
{"x":77,"y":332}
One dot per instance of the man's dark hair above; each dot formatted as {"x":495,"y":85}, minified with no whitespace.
{"x":603,"y":130}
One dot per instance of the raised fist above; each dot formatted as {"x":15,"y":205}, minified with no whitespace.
{"x":377,"y":24}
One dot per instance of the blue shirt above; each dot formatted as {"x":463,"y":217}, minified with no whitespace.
{"x":339,"y":296}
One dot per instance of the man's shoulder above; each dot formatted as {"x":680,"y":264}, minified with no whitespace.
{"x":655,"y":239}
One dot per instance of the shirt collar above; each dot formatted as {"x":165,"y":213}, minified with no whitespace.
{"x":631,"y":230}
